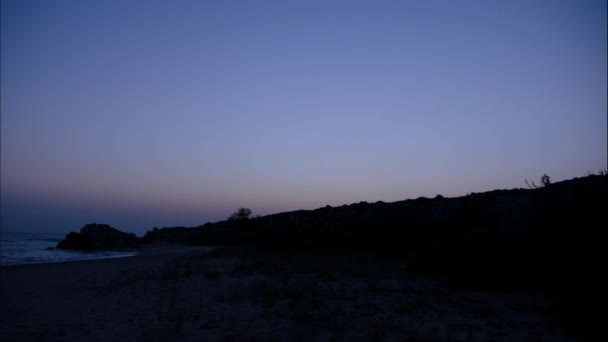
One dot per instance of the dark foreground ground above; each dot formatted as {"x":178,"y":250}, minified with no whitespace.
{"x":242,"y":294}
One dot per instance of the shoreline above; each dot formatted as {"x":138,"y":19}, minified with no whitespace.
{"x":144,"y":251}
{"x":68,"y":261}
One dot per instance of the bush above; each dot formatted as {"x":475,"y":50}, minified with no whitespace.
{"x":240,"y":214}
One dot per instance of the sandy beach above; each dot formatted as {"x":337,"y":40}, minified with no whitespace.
{"x":190,"y":294}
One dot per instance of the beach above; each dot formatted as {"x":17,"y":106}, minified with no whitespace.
{"x":192,"y":294}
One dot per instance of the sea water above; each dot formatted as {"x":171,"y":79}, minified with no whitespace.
{"x":32,"y":248}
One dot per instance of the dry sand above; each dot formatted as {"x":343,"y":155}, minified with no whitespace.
{"x":178,"y":294}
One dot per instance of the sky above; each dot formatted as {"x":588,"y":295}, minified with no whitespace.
{"x":175,"y":113}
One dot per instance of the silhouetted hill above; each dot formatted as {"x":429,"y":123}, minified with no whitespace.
{"x":494,"y":224}
{"x":488,"y":237}
{"x":541,"y":230}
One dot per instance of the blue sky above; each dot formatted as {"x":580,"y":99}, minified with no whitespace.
{"x":162,"y":113}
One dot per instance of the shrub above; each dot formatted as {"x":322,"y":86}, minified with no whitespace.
{"x":240,"y":214}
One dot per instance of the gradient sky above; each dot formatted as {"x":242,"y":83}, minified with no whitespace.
{"x":165,"y":113}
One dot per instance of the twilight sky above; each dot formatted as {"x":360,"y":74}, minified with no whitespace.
{"x":164,"y":113}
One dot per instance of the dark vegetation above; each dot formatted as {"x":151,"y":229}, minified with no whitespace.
{"x":546,"y":239}
{"x":240,"y":214}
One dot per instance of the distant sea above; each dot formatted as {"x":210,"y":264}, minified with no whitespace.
{"x":31,"y":248}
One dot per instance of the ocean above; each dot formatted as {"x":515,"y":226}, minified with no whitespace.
{"x":31,"y":248}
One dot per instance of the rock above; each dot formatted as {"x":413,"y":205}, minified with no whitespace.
{"x":98,"y":236}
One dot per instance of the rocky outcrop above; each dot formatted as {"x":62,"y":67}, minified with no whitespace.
{"x":98,"y":236}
